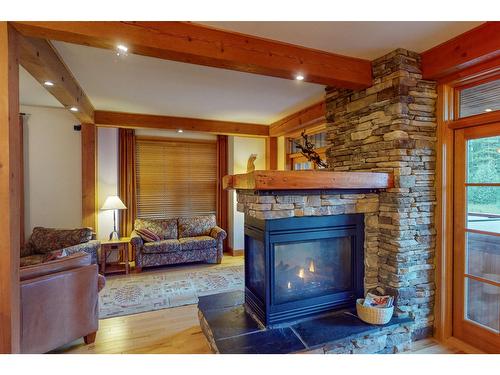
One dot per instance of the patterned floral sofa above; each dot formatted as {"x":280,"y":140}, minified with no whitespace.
{"x":46,"y":244}
{"x":182,"y":240}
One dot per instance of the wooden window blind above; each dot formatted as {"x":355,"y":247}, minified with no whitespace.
{"x":175,"y":178}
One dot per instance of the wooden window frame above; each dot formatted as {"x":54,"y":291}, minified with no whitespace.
{"x":447,"y":112}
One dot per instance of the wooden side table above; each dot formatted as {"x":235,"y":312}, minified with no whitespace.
{"x":121,"y":247}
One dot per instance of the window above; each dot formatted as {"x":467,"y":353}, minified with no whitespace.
{"x":480,"y":99}
{"x":175,"y":178}
{"x":297,"y":161}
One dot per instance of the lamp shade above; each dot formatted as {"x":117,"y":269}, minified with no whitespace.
{"x":113,"y":202}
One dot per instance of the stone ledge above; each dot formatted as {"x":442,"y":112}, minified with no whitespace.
{"x":229,"y":329}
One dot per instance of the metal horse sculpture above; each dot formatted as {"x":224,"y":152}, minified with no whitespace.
{"x":307,"y":149}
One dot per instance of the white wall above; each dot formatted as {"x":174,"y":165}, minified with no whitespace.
{"x":107,"y":177}
{"x":52,"y":169}
{"x":239,"y":150}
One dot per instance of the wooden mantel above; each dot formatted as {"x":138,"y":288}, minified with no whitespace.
{"x":307,"y":180}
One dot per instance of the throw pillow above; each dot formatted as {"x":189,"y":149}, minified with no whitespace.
{"x":147,"y":235}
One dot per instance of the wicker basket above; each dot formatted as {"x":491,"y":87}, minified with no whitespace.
{"x":373,"y":315}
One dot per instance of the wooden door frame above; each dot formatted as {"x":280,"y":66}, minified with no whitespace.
{"x":448,"y":121}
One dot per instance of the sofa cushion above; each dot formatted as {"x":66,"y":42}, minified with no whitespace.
{"x":148,"y":235}
{"x":166,"y":229}
{"x":163,"y":246}
{"x":196,"y":226}
{"x":197,"y":243}
{"x":46,"y":240}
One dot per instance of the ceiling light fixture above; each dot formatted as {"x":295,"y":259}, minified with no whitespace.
{"x":48,"y":83}
{"x":488,"y":110}
{"x":299,"y":77}
{"x":180,"y":131}
{"x":121,"y":50}
{"x":73,"y":109}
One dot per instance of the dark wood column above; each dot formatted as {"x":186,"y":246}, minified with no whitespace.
{"x":272,"y":153}
{"x":222,"y":195}
{"x":10,"y":190}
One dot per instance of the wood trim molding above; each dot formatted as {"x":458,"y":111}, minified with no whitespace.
{"x":89,"y":175}
{"x":444,"y":215}
{"x":10,"y":191}
{"x":41,"y":60}
{"x":473,"y":47}
{"x":198,"y":44}
{"x":145,"y":121}
{"x":312,"y":116}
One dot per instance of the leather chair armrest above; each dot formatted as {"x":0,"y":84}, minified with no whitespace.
{"x":218,"y":233}
{"x":55,"y":266}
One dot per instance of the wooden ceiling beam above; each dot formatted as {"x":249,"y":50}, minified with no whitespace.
{"x":202,"y":45}
{"x":473,"y":47}
{"x":145,"y":121}
{"x":41,"y":60}
{"x":312,"y":116}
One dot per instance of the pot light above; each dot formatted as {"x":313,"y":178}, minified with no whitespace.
{"x":121,"y":50}
{"x":48,"y":83}
{"x":299,"y":77}
{"x":180,"y":131}
{"x":73,"y":109}
{"x":488,"y":110}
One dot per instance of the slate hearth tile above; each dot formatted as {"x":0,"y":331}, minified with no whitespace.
{"x":330,"y":328}
{"x":221,"y":300}
{"x":229,"y":322}
{"x":273,"y":341}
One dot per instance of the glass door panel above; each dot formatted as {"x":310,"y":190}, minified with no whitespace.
{"x":476,"y":295}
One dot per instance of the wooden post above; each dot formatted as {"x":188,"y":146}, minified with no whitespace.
{"x":222,"y":195}
{"x":10,"y":190}
{"x":89,"y":176}
{"x":272,"y":153}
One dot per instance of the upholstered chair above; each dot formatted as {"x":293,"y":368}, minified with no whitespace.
{"x":59,"y":302}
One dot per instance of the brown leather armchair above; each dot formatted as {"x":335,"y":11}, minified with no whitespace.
{"x":59,"y":303}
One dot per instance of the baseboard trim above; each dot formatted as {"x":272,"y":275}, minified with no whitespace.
{"x":460,"y":345}
{"x":235,"y":252}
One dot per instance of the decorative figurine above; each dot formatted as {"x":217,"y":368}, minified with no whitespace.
{"x":250,"y":163}
{"x":307,"y":149}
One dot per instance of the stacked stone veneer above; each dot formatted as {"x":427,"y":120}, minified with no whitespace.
{"x":391,"y":127}
{"x":388,"y":127}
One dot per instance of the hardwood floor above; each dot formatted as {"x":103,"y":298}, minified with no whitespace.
{"x":174,"y":331}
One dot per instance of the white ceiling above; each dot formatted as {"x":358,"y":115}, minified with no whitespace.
{"x":363,"y":39}
{"x":32,"y":93}
{"x":149,"y":85}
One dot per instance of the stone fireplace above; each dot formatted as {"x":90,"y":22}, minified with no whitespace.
{"x":389,"y":127}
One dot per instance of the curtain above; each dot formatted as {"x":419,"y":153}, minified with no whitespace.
{"x":127,"y":184}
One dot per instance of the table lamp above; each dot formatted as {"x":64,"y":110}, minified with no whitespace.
{"x":113,"y":202}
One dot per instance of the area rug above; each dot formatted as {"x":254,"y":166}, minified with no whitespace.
{"x":170,"y":287}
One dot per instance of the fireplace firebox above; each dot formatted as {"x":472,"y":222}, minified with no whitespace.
{"x":301,"y":266}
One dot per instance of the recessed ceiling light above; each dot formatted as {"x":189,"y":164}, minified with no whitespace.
{"x":73,"y":109}
{"x":299,"y":77}
{"x":122,"y":48}
{"x":48,"y":83}
{"x":180,"y":131}
{"x":488,"y":110}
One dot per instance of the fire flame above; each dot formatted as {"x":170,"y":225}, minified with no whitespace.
{"x":301,"y":273}
{"x":289,"y":285}
{"x":311,"y":267}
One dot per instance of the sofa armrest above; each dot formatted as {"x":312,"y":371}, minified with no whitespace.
{"x":136,"y":240}
{"x":218,"y":233}
{"x":90,"y":247}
